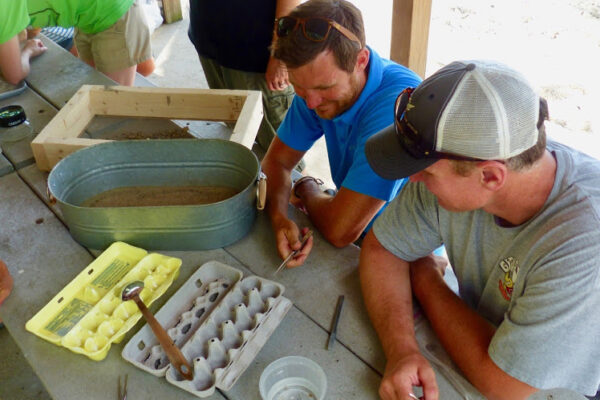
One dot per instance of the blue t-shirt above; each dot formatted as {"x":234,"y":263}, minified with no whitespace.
{"x":347,"y":133}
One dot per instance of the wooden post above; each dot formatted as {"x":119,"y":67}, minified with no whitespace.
{"x":410,"y":33}
{"x":171,"y":10}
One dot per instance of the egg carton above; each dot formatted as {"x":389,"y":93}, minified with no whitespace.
{"x":88,"y":314}
{"x":219,"y":321}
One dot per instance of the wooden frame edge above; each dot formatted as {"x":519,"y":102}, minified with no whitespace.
{"x":61,"y":136}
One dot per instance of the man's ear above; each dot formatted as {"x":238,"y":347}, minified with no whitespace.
{"x":493,"y":174}
{"x":362,"y":60}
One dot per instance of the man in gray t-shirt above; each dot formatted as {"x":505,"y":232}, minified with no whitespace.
{"x":521,"y":225}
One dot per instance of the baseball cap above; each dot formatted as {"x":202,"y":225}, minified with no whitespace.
{"x":467,"y":110}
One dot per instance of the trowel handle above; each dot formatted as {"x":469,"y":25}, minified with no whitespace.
{"x":51,"y":198}
{"x":261,"y":199}
{"x":175,"y":356}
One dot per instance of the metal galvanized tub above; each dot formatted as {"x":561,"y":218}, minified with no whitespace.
{"x":164,"y":164}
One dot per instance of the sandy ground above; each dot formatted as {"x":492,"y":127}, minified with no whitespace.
{"x":555,"y":43}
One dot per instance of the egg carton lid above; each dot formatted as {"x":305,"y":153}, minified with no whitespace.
{"x":109,"y":272}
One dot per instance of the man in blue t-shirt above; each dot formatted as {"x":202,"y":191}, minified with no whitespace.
{"x":346,"y":92}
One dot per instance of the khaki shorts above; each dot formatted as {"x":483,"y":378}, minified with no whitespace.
{"x":126,"y":43}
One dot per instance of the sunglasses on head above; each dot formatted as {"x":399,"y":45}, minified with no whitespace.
{"x":409,"y":137}
{"x":315,"y":29}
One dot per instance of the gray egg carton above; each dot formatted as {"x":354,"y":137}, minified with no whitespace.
{"x":219,"y":321}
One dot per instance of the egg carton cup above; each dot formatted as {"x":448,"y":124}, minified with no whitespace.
{"x":219,"y":320}
{"x":88,"y":315}
{"x":181,"y":315}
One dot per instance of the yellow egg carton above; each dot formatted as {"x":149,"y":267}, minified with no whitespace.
{"x":87,"y":315}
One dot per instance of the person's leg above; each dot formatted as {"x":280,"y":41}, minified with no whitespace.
{"x":275,"y":103}
{"x":145,"y":68}
{"x":73,"y":50}
{"x":213,"y":72}
{"x":124,"y":77}
{"x":118,"y":50}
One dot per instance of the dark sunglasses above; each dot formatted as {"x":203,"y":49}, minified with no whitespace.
{"x":410,"y":139}
{"x":315,"y":29}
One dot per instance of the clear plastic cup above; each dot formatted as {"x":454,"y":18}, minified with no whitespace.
{"x":293,"y":378}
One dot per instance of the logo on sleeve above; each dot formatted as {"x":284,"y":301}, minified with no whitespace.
{"x":510,"y":267}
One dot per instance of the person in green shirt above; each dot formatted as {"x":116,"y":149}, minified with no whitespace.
{"x":14,"y":56}
{"x":110,"y":35}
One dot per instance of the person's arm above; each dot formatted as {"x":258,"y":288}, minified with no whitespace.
{"x":342,"y":218}
{"x":14,"y":62}
{"x":464,"y":334}
{"x":276,"y":74}
{"x":277,"y":165}
{"x":385,"y":284}
{"x":6,"y":282}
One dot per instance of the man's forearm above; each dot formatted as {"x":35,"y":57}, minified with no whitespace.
{"x":466,"y":337}
{"x":385,"y":284}
{"x":278,"y":193}
{"x":278,"y":164}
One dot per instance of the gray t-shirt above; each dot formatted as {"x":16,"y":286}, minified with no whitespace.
{"x":538,"y":283}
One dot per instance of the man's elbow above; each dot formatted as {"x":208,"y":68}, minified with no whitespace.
{"x":498,"y":393}
{"x":495,"y":384}
{"x":341,"y":238}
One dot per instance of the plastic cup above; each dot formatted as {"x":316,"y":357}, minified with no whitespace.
{"x":293,"y":378}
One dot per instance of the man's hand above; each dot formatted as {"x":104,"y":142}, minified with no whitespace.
{"x":403,"y":373}
{"x":276,"y":75}
{"x":289,"y":238}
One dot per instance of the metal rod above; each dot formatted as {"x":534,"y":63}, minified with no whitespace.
{"x":334,"y":322}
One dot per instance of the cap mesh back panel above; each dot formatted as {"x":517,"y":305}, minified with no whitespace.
{"x":470,"y":127}
{"x":522,"y":107}
{"x":497,"y":121}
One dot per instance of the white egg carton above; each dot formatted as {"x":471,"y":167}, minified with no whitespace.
{"x":219,"y":321}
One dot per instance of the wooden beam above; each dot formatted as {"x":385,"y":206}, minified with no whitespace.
{"x":57,"y":149}
{"x":171,"y":10}
{"x":251,"y":115}
{"x":196,"y":104}
{"x":73,"y":117}
{"x":410,"y":33}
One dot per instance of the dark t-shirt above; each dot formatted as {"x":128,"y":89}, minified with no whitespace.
{"x":236,"y":33}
